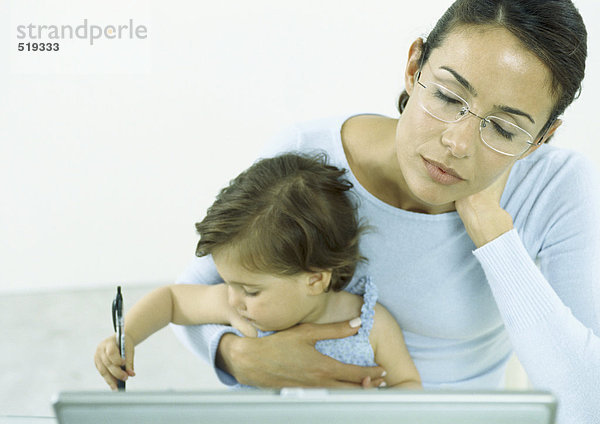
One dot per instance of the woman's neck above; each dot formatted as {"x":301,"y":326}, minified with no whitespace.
{"x":370,"y":146}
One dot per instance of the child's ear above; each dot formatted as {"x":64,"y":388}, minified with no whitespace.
{"x":318,"y":282}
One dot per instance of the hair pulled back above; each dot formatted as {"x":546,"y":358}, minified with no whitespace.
{"x":553,"y":30}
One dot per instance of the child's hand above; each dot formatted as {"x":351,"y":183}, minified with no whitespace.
{"x":108,"y":360}
{"x":242,"y":324}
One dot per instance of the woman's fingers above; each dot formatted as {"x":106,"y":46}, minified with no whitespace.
{"x":337,"y":330}
{"x":340,"y":371}
{"x":289,"y":358}
{"x":355,"y":375}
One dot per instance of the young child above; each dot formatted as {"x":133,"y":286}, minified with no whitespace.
{"x":284,"y":238}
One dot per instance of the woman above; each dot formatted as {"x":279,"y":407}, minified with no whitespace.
{"x":486,"y":239}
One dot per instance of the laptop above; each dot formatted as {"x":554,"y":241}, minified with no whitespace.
{"x":314,"y":406}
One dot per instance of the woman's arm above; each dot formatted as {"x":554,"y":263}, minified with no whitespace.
{"x":552,"y":313}
{"x":559,"y":351}
{"x":391,"y":353}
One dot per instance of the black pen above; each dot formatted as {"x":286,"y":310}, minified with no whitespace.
{"x":118,"y":324}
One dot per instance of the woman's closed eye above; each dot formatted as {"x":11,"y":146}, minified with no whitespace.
{"x":501,"y":131}
{"x":446,"y":98}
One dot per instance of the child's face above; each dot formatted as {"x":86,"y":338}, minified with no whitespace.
{"x":269,"y":302}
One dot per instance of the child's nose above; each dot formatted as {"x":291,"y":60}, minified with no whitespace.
{"x":235,"y":299}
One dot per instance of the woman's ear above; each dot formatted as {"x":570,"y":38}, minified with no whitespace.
{"x":318,"y":282}
{"x":557,"y":123}
{"x":412,"y":67}
{"x":543,"y":138}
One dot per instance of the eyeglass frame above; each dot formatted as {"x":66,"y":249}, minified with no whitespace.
{"x":465,"y":111}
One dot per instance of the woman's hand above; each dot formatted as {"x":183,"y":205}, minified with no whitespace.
{"x":289,"y":359}
{"x":482,"y":215}
{"x":108,"y":360}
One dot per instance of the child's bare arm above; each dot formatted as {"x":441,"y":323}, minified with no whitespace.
{"x":185,"y":304}
{"x":180,"y":304}
{"x":391,"y":352}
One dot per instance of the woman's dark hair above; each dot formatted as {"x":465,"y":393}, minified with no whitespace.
{"x":286,"y":215}
{"x":553,"y":30}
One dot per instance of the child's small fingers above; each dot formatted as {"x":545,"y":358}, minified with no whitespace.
{"x":118,"y":372}
{"x":115,"y":359}
{"x":111,"y":381}
{"x":114,"y":368}
{"x":113,"y":354}
{"x":109,"y":361}
{"x":107,"y":376}
{"x":108,"y":364}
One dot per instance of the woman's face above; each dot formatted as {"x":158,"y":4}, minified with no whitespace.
{"x":490,"y":69}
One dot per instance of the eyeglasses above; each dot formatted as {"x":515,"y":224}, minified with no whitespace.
{"x":497,"y":133}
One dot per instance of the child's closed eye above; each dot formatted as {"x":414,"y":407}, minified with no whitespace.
{"x":251,"y":292}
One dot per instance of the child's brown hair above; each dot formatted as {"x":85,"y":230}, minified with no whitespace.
{"x":286,"y":215}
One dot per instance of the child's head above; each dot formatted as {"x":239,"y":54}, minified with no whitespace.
{"x":284,"y":218}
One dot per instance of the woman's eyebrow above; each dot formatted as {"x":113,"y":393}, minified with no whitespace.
{"x":514,"y":111}
{"x":463,"y":81}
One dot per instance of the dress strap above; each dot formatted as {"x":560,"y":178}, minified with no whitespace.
{"x":367,"y":289}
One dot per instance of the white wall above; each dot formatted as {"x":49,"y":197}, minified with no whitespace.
{"x":110,"y":153}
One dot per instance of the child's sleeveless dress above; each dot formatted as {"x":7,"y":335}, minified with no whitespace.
{"x":355,"y":349}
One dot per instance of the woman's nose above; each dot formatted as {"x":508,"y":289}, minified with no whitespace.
{"x":461,"y":137}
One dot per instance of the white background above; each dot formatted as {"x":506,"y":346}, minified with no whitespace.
{"x":108,"y":155}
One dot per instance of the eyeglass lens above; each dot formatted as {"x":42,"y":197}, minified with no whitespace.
{"x":498,"y":133}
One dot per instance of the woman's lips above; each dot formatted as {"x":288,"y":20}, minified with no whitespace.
{"x":440,"y":173}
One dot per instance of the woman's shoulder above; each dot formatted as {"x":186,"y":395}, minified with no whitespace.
{"x":549,"y":183}
{"x":554,"y":158}
{"x":557,"y":166}
{"x":328,"y":134}
{"x":362,"y":132}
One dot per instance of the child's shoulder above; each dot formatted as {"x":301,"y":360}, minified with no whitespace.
{"x":383,"y":322}
{"x":347,"y":306}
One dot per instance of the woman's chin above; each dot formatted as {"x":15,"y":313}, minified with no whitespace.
{"x":432,"y":199}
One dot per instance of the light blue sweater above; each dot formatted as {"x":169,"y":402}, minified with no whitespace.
{"x":533,"y":290}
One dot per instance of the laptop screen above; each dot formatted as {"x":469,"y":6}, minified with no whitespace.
{"x":314,"y":406}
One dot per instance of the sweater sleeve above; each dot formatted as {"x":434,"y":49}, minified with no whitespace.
{"x":552,"y":311}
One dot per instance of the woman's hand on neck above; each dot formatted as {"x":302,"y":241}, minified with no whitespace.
{"x":482,"y":215}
